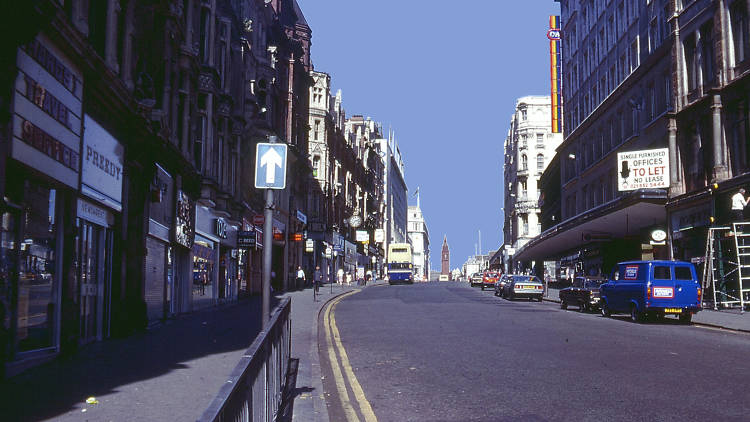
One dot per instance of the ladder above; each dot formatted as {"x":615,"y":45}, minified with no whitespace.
{"x":719,"y":269}
{"x":742,"y":246}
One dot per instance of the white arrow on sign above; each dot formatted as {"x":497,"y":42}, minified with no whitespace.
{"x":271,"y":159}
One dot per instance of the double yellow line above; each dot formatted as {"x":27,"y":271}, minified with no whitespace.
{"x":342,"y":370}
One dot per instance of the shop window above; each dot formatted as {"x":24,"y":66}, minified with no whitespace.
{"x":36,"y":275}
{"x":204,"y":261}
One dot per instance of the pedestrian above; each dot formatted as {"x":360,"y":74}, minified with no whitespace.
{"x":317,"y":276}
{"x":340,"y":276}
{"x":739,"y":202}
{"x":348,"y":279}
{"x":301,"y":280}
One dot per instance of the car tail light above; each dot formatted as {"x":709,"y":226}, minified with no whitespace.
{"x":700,"y":293}
{"x":648,"y":291}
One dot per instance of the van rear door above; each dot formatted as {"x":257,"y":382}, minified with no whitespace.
{"x":686,"y":286}
{"x":663,"y":292}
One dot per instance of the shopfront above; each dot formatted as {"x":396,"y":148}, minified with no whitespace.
{"x":102,"y":163}
{"x":37,"y":274}
{"x":205,"y":272}
{"x":159,"y":291}
{"x":215,"y":259}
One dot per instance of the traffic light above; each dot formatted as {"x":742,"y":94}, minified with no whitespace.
{"x":297,"y":237}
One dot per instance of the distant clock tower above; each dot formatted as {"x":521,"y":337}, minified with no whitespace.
{"x":445,"y":268}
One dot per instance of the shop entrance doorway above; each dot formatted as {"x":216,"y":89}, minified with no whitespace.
{"x":95,"y":256}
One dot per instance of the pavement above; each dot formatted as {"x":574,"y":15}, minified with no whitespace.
{"x":730,"y":319}
{"x":172,"y":371}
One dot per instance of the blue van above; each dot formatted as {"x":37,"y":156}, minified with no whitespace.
{"x":652,"y":289}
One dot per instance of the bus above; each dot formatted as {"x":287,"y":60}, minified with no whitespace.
{"x":400,"y":263}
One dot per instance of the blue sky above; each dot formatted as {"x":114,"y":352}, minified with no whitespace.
{"x":445,"y":77}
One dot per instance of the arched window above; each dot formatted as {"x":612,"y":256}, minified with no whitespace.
{"x":524,"y":162}
{"x":540,"y":162}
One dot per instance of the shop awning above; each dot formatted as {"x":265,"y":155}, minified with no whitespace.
{"x":625,"y":216}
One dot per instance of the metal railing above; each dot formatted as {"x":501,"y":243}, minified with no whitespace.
{"x":255,"y":387}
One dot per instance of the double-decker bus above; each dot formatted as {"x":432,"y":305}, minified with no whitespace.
{"x":400,"y":263}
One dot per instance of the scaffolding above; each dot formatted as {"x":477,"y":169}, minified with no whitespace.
{"x":726,"y":273}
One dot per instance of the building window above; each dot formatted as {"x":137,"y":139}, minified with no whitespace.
{"x":524,"y":162}
{"x":523,"y":114}
{"x":200,"y":141}
{"x":316,"y":166}
{"x":738,"y":12}
{"x":691,"y":64}
{"x":707,"y":54}
{"x":525,"y":223}
{"x":223,"y":54}
{"x":205,"y":34}
{"x":316,"y":130}
{"x":634,"y":55}
{"x":540,"y":140}
{"x":540,"y":162}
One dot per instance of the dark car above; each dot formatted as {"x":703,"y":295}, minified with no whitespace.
{"x":501,"y":282}
{"x":584,"y":293}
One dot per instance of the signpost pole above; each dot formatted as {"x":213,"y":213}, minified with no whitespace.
{"x":267,"y":249}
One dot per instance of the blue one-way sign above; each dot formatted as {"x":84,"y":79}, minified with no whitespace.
{"x":270,"y":166}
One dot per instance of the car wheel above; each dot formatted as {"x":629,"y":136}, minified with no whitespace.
{"x":686,"y":318}
{"x":511,"y":296}
{"x":482,"y":287}
{"x":604,"y":309}
{"x":582,"y":307}
{"x":563,"y":304}
{"x":635,"y":315}
{"x":496,"y":293}
{"x":539,"y":299}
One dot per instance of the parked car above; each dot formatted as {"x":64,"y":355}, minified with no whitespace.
{"x":520,"y":286}
{"x":489,"y":278}
{"x":584,"y":293}
{"x":476,"y":279}
{"x":652,"y":289}
{"x":501,"y":282}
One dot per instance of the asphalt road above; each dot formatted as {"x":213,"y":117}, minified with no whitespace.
{"x":448,"y":352}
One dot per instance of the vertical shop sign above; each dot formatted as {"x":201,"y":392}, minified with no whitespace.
{"x":184,"y":233}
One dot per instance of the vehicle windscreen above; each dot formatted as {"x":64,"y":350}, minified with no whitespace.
{"x":525,"y":279}
{"x":592,"y":284}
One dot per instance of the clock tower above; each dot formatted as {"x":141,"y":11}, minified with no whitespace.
{"x":445,"y":256}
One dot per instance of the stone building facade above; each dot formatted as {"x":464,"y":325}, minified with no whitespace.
{"x":528,"y":149}
{"x":128,"y":132}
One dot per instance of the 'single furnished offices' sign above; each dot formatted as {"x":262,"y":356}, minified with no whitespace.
{"x":643,"y":169}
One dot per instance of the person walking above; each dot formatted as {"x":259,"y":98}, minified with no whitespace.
{"x":340,"y":276}
{"x":317,"y":277}
{"x":301,"y":280}
{"x":739,"y":202}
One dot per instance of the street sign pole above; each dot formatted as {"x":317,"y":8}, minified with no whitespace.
{"x":270,"y":174}
{"x":267,"y":249}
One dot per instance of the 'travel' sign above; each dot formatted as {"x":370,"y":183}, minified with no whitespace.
{"x":643,"y":169}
